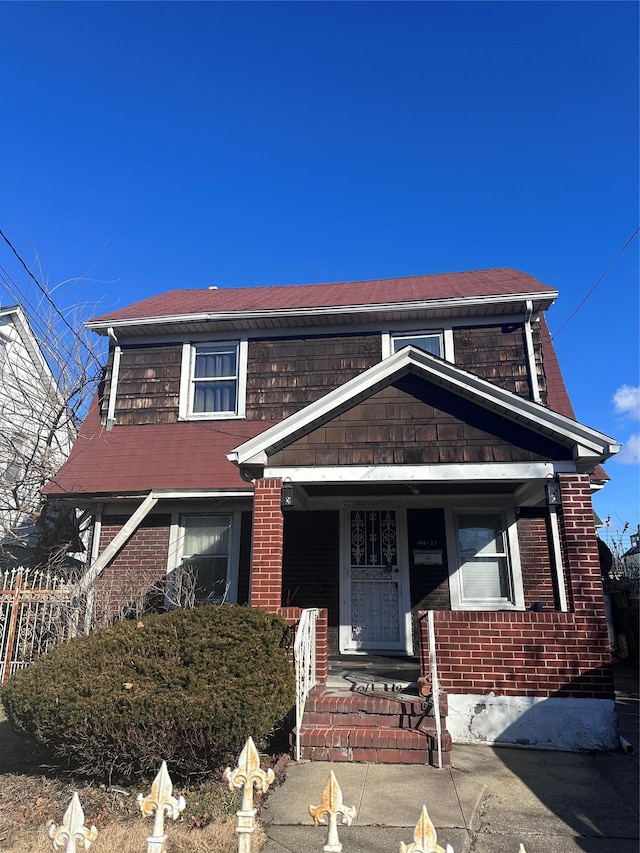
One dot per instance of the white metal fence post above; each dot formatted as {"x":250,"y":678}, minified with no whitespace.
{"x":160,"y":803}
{"x":72,"y":834}
{"x":248,"y":776}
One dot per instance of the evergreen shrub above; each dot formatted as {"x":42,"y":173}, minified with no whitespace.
{"x":188,"y":686}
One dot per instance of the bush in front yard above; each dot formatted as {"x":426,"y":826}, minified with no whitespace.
{"x":187,"y":686}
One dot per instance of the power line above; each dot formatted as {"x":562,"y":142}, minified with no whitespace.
{"x":44,"y":292}
{"x":599,"y":281}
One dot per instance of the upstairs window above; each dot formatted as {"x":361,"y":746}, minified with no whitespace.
{"x":213,"y":380}
{"x":427,"y":341}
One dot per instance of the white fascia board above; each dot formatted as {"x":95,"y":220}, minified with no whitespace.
{"x":446,"y":375}
{"x":546,"y":298}
{"x":487,"y":472}
{"x":188,"y":494}
{"x":31,"y":344}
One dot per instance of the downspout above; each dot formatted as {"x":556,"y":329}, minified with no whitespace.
{"x":531,"y":356}
{"x":115,"y":372}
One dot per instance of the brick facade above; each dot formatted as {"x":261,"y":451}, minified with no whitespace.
{"x":536,"y":654}
{"x":535,"y":558}
{"x":521,"y":654}
{"x":267,"y":547}
{"x":138,"y":570}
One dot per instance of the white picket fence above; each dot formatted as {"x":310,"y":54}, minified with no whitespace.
{"x":35,"y":613}
{"x":72,"y":834}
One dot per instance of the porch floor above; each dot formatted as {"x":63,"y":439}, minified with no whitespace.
{"x":373,"y":674}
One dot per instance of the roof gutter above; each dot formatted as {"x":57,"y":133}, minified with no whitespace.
{"x":543,"y":299}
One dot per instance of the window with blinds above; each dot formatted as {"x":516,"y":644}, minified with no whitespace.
{"x":482,"y":558}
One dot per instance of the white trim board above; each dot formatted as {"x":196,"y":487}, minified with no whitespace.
{"x":590,"y":446}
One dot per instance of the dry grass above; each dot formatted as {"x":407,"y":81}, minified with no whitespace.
{"x":219,"y":837}
{"x":31,"y":797}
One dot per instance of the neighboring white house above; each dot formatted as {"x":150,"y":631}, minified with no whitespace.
{"x":36,"y":433}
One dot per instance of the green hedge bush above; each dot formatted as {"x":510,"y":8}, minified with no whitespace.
{"x":188,"y":687}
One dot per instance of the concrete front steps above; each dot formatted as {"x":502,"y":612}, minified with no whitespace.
{"x":372,"y":727}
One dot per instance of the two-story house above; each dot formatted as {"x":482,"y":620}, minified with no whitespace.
{"x":378,"y":450}
{"x":35,"y":432}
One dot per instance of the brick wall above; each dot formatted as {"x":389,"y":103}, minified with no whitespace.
{"x":537,"y":571}
{"x":137,"y":569}
{"x":521,"y":654}
{"x":266,"y":549}
{"x":579,"y":546}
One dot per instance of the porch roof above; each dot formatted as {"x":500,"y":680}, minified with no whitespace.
{"x":589,"y":447}
{"x":129,"y":460}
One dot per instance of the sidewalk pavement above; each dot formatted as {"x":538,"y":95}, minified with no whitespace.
{"x":489,"y":801}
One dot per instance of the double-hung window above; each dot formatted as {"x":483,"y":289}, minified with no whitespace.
{"x":206,"y":551}
{"x":213,"y":380}
{"x":488,"y":571}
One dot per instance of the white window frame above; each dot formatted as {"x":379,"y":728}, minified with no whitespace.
{"x":185,"y":406}
{"x":177,"y":537}
{"x":515,"y":598}
{"x":445,"y":334}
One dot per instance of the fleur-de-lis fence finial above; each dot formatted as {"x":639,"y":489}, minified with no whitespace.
{"x":72,"y":834}
{"x":424,"y":837}
{"x":330,"y":807}
{"x":248,"y":776}
{"x":161,"y":803}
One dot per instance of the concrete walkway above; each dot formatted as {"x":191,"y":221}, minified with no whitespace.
{"x":489,"y":801}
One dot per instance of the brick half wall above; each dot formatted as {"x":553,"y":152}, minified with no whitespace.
{"x":520,"y":654}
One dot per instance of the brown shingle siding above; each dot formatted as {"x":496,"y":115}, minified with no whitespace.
{"x":495,"y":353}
{"x":285,"y":375}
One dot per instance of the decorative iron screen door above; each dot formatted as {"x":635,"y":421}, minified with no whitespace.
{"x":373,"y":581}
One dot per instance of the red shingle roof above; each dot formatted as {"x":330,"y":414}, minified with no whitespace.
{"x":458,"y":285}
{"x":140,"y":458}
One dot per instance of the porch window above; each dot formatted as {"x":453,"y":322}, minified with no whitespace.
{"x":213,"y":380}
{"x":483,"y":564}
{"x":206,"y":550}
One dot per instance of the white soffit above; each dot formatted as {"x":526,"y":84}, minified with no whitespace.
{"x":589,"y":444}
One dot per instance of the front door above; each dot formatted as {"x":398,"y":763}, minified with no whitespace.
{"x":374,"y":613}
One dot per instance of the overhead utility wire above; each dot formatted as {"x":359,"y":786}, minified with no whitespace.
{"x":599,"y":281}
{"x":44,"y":292}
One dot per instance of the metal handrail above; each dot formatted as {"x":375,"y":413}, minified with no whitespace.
{"x":304,"y":655}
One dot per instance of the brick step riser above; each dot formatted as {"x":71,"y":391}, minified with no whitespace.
{"x":402,"y":746}
{"x":374,"y":756}
{"x":380,"y":721}
{"x":350,"y":703}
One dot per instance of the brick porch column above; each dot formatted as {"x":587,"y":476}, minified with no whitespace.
{"x":580,"y":545}
{"x":266,"y":546}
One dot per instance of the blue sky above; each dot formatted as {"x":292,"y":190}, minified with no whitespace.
{"x":149,"y":146}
